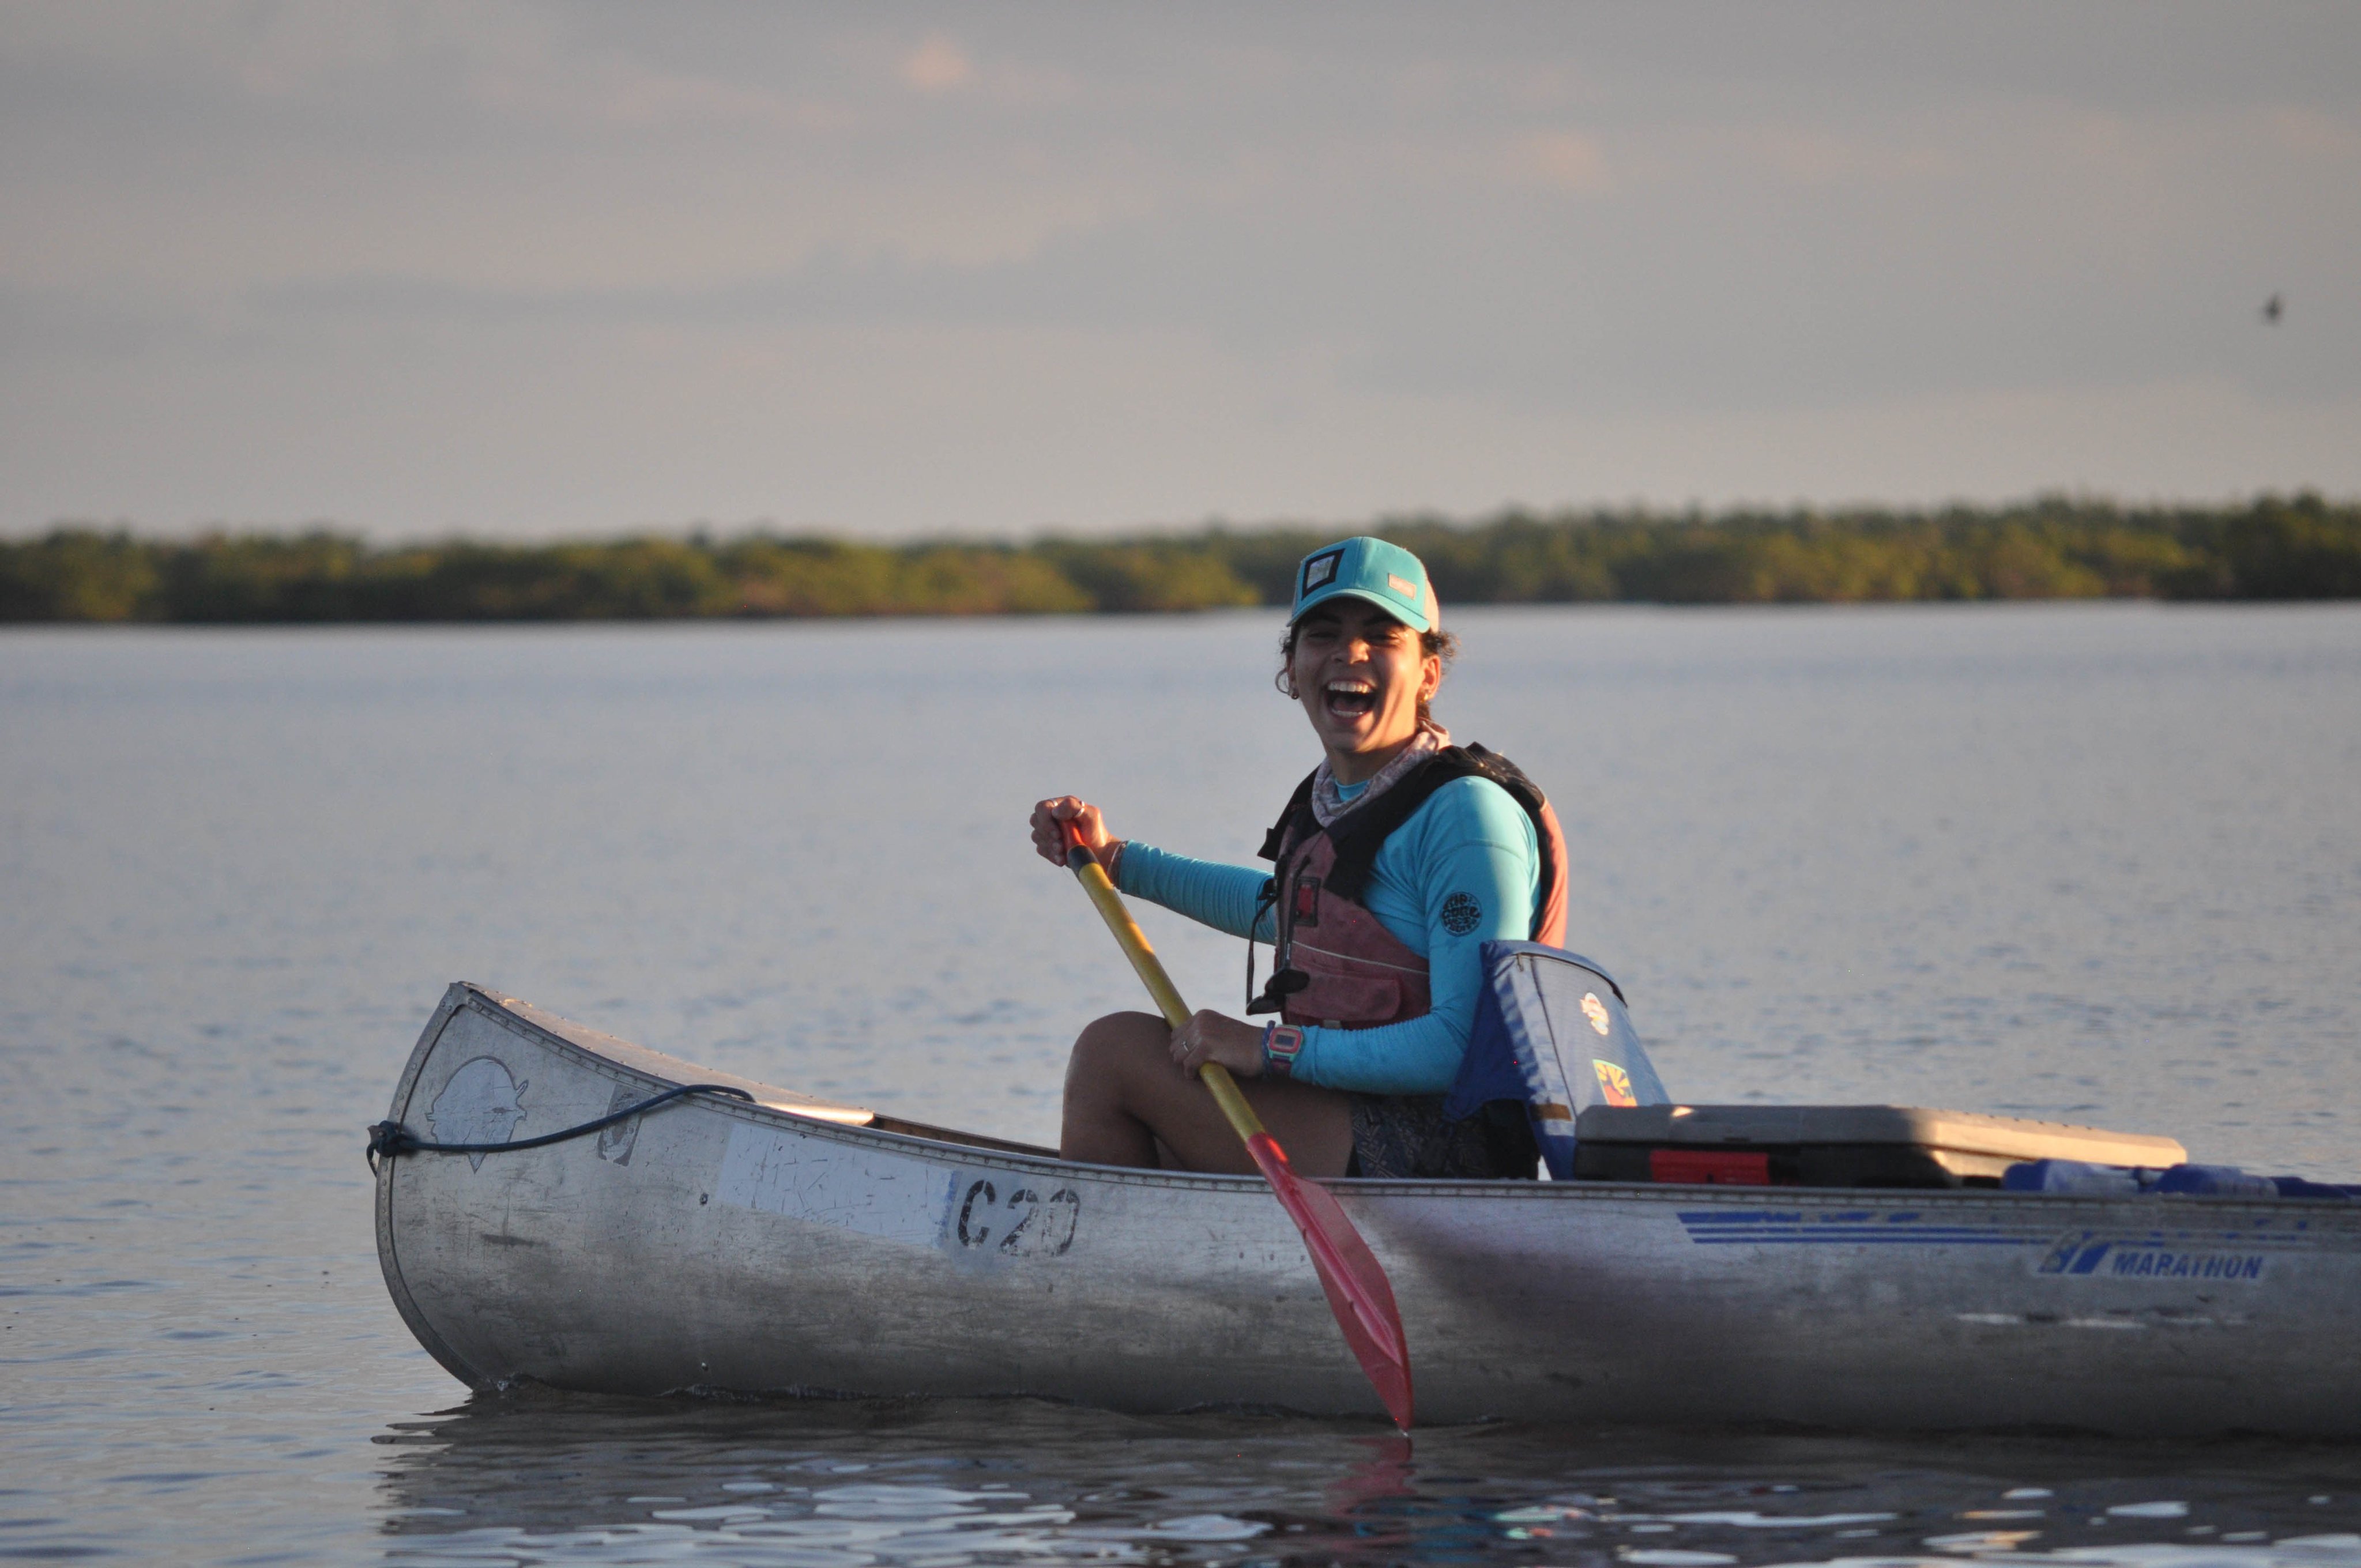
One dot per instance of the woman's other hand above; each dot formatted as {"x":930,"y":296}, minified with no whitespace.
{"x":1210,"y":1036}
{"x":1050,"y":819}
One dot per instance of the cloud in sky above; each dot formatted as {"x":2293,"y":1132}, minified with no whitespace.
{"x":540,"y":268}
{"x":936,"y":65}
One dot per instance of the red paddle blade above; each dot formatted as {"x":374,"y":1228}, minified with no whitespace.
{"x":1357,"y":1288}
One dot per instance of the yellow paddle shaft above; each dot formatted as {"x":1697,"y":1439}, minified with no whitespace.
{"x":1134,"y":942}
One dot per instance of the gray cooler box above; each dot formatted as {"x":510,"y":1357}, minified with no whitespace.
{"x":1836,"y":1145}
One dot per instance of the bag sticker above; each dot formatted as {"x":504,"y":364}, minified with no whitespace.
{"x":1614,"y":1083}
{"x":1596,"y":1010}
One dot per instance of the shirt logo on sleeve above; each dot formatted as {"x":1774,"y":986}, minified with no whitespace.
{"x":1462,"y":913}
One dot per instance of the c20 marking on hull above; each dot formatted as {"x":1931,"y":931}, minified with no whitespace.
{"x":2086,"y":1256}
{"x":1026,"y":1225}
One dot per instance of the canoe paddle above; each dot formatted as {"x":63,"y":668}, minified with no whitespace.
{"x":1349,"y":1272}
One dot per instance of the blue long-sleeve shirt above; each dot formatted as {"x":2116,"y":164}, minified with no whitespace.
{"x":1470,"y":837}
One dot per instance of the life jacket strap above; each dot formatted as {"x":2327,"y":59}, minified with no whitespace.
{"x":1284,"y":982}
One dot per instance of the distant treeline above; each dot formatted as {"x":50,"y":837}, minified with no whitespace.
{"x":2273,"y":548}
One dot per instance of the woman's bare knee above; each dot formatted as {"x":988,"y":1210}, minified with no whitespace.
{"x":1112,"y":1060}
{"x":1110,"y":1048}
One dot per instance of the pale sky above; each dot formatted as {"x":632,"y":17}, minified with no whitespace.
{"x":895,"y":269}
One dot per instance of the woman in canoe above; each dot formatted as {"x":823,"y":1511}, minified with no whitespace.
{"x":1398,"y":859}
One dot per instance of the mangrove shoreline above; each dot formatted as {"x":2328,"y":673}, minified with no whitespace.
{"x":2273,"y":547}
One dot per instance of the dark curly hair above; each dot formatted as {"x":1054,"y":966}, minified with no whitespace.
{"x":1438,"y":643}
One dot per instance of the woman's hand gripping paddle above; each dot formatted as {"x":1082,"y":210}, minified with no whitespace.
{"x":1349,"y":1272}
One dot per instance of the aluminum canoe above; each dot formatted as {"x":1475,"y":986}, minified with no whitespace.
{"x":792,"y":1247}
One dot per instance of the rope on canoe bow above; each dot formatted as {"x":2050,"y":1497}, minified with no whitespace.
{"x":390,"y":1140}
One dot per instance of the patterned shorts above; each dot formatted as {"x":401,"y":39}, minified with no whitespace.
{"x":1406,"y":1137}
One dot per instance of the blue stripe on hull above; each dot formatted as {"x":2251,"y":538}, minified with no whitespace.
{"x":1849,"y":1228}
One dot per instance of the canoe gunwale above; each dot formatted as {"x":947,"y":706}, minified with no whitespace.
{"x":1007,"y":1155}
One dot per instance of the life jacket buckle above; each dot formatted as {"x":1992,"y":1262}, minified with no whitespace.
{"x":1307,"y":902}
{"x":1284,"y":983}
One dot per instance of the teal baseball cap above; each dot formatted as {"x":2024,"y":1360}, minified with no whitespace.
{"x":1386,"y":575}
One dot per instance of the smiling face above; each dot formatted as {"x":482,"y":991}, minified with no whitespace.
{"x":1360,"y":675}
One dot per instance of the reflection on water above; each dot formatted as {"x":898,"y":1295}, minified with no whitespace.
{"x":530,"y":1476}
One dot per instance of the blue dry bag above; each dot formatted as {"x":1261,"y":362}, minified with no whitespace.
{"x":1551,"y":1032}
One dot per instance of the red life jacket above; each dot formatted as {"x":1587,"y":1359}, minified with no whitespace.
{"x":1335,"y":965}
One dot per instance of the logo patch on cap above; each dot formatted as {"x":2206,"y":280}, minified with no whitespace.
{"x":1408,"y":590}
{"x":1320,"y":571}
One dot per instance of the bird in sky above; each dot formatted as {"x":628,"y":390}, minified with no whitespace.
{"x":2272,"y":307}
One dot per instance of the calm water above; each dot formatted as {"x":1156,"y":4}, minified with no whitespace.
{"x":2094,"y":862}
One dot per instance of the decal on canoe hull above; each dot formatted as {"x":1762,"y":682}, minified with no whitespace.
{"x":481,"y":1102}
{"x":2081,"y":1253}
{"x":616,"y":1142}
{"x":1851,"y":1227}
{"x":780,"y":1172}
{"x":2088,"y":1253}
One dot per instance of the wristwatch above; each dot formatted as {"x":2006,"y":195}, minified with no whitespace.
{"x":1281,"y":1043}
